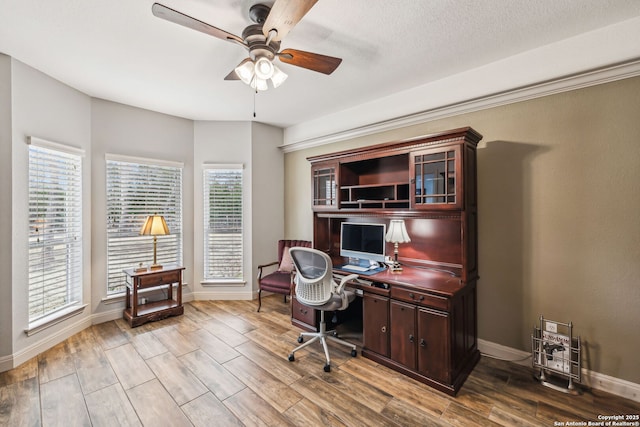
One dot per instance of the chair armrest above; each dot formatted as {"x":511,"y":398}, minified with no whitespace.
{"x":344,"y":281}
{"x":260,"y":267}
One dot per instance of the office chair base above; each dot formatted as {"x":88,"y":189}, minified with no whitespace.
{"x":322,"y":335}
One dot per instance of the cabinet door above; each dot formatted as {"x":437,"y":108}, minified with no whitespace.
{"x":433,"y":344}
{"x":324,"y":180}
{"x":436,"y":178}
{"x":375,"y":327}
{"x":403,"y":334}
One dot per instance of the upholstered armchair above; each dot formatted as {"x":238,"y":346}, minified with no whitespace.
{"x":278,"y":281}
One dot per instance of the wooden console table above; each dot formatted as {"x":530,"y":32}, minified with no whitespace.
{"x":137,"y":314}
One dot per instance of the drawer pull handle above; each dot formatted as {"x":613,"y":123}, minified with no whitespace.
{"x":410,"y":338}
{"x":421,"y":297}
{"x":412,"y":296}
{"x":384,"y":329}
{"x":423,"y":343}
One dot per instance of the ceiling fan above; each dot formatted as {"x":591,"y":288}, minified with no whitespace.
{"x":262,"y":40}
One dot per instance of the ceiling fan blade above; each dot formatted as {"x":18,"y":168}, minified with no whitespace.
{"x":284,"y":15}
{"x":311,"y":61}
{"x":180,"y":18}
{"x":232,"y":75}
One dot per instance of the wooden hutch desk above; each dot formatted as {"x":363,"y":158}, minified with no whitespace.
{"x":421,"y":321}
{"x":137,"y":314}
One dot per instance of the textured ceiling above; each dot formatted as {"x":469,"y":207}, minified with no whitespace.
{"x":117,"y":50}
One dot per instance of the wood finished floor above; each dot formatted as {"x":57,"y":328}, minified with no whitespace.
{"x":223,"y":364}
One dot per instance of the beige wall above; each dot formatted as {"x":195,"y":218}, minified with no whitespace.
{"x":558,"y":219}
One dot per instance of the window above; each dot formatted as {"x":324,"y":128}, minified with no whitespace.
{"x":55,"y":228}
{"x":137,"y":188}
{"x":223,"y":222}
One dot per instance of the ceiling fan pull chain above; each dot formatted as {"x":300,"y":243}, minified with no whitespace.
{"x":254,"y":102}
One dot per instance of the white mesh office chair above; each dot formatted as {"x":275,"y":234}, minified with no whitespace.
{"x":316,"y":289}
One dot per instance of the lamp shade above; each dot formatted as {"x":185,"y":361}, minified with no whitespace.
{"x":154,"y":225}
{"x":397,"y":232}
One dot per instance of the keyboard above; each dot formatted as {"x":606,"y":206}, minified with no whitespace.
{"x":355,"y":268}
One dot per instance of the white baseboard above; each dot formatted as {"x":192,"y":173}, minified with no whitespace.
{"x":31,"y":351}
{"x":222,"y":295}
{"x":592,"y":379}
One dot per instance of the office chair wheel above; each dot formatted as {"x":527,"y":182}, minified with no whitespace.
{"x":300,"y":339}
{"x":327,"y":368}
{"x":291,"y":357}
{"x":354,"y":353}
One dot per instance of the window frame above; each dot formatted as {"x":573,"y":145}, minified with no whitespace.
{"x":210,"y":277}
{"x":137,"y":249}
{"x":58,"y":163}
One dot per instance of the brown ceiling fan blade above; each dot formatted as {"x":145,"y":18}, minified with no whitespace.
{"x":180,"y":18}
{"x":312,"y":61}
{"x":284,"y":15}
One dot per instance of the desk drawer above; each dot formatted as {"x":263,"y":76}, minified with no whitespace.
{"x":160,"y":279}
{"x":420,"y":298}
{"x":303,"y":313}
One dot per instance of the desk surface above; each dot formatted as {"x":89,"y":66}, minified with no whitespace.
{"x":425,"y":279}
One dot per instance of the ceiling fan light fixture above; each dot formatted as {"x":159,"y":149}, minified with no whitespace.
{"x":278,"y":77}
{"x":245,"y":71}
{"x":259,"y":84}
{"x":264,"y":68}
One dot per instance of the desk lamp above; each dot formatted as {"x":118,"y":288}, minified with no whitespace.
{"x":397,"y":233}
{"x":154,"y":225}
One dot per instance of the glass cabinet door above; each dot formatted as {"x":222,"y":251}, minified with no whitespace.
{"x":324,"y":187}
{"x":435,"y":178}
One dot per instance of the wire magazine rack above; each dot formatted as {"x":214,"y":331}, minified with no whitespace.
{"x":557,"y":353}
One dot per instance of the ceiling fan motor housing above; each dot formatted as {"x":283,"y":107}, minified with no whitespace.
{"x":257,"y":43}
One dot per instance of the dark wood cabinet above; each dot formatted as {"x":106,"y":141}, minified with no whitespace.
{"x":433,"y":344}
{"x":403,"y":334}
{"x":424,"y":322}
{"x":375,"y":323}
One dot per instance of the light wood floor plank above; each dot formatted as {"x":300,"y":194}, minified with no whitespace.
{"x":63,"y":403}
{"x":110,"y":406}
{"x":155,"y":407}
{"x":350,"y":411}
{"x":147,"y":345}
{"x":93,"y":369}
{"x":276,"y":365}
{"x":109,"y":335}
{"x":213,"y":346}
{"x":252,"y":410}
{"x":129,"y":366}
{"x":20,"y":403}
{"x":212,"y":374}
{"x":27,"y":370}
{"x":176,"y":378}
{"x":230,"y":336}
{"x":307,"y":413}
{"x":206,"y":411}
{"x":270,"y":388}
{"x":174,"y":341}
{"x":55,"y":363}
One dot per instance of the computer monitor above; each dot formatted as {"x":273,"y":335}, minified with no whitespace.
{"x":362,"y":241}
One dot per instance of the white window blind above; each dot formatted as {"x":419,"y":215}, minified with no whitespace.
{"x":223,"y":222}
{"x":135,"y":189}
{"x":55,"y":229}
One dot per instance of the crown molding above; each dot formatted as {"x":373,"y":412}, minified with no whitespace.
{"x":538,"y":90}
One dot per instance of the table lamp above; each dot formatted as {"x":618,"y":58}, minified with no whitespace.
{"x":154,"y":225}
{"x":397,"y":233}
